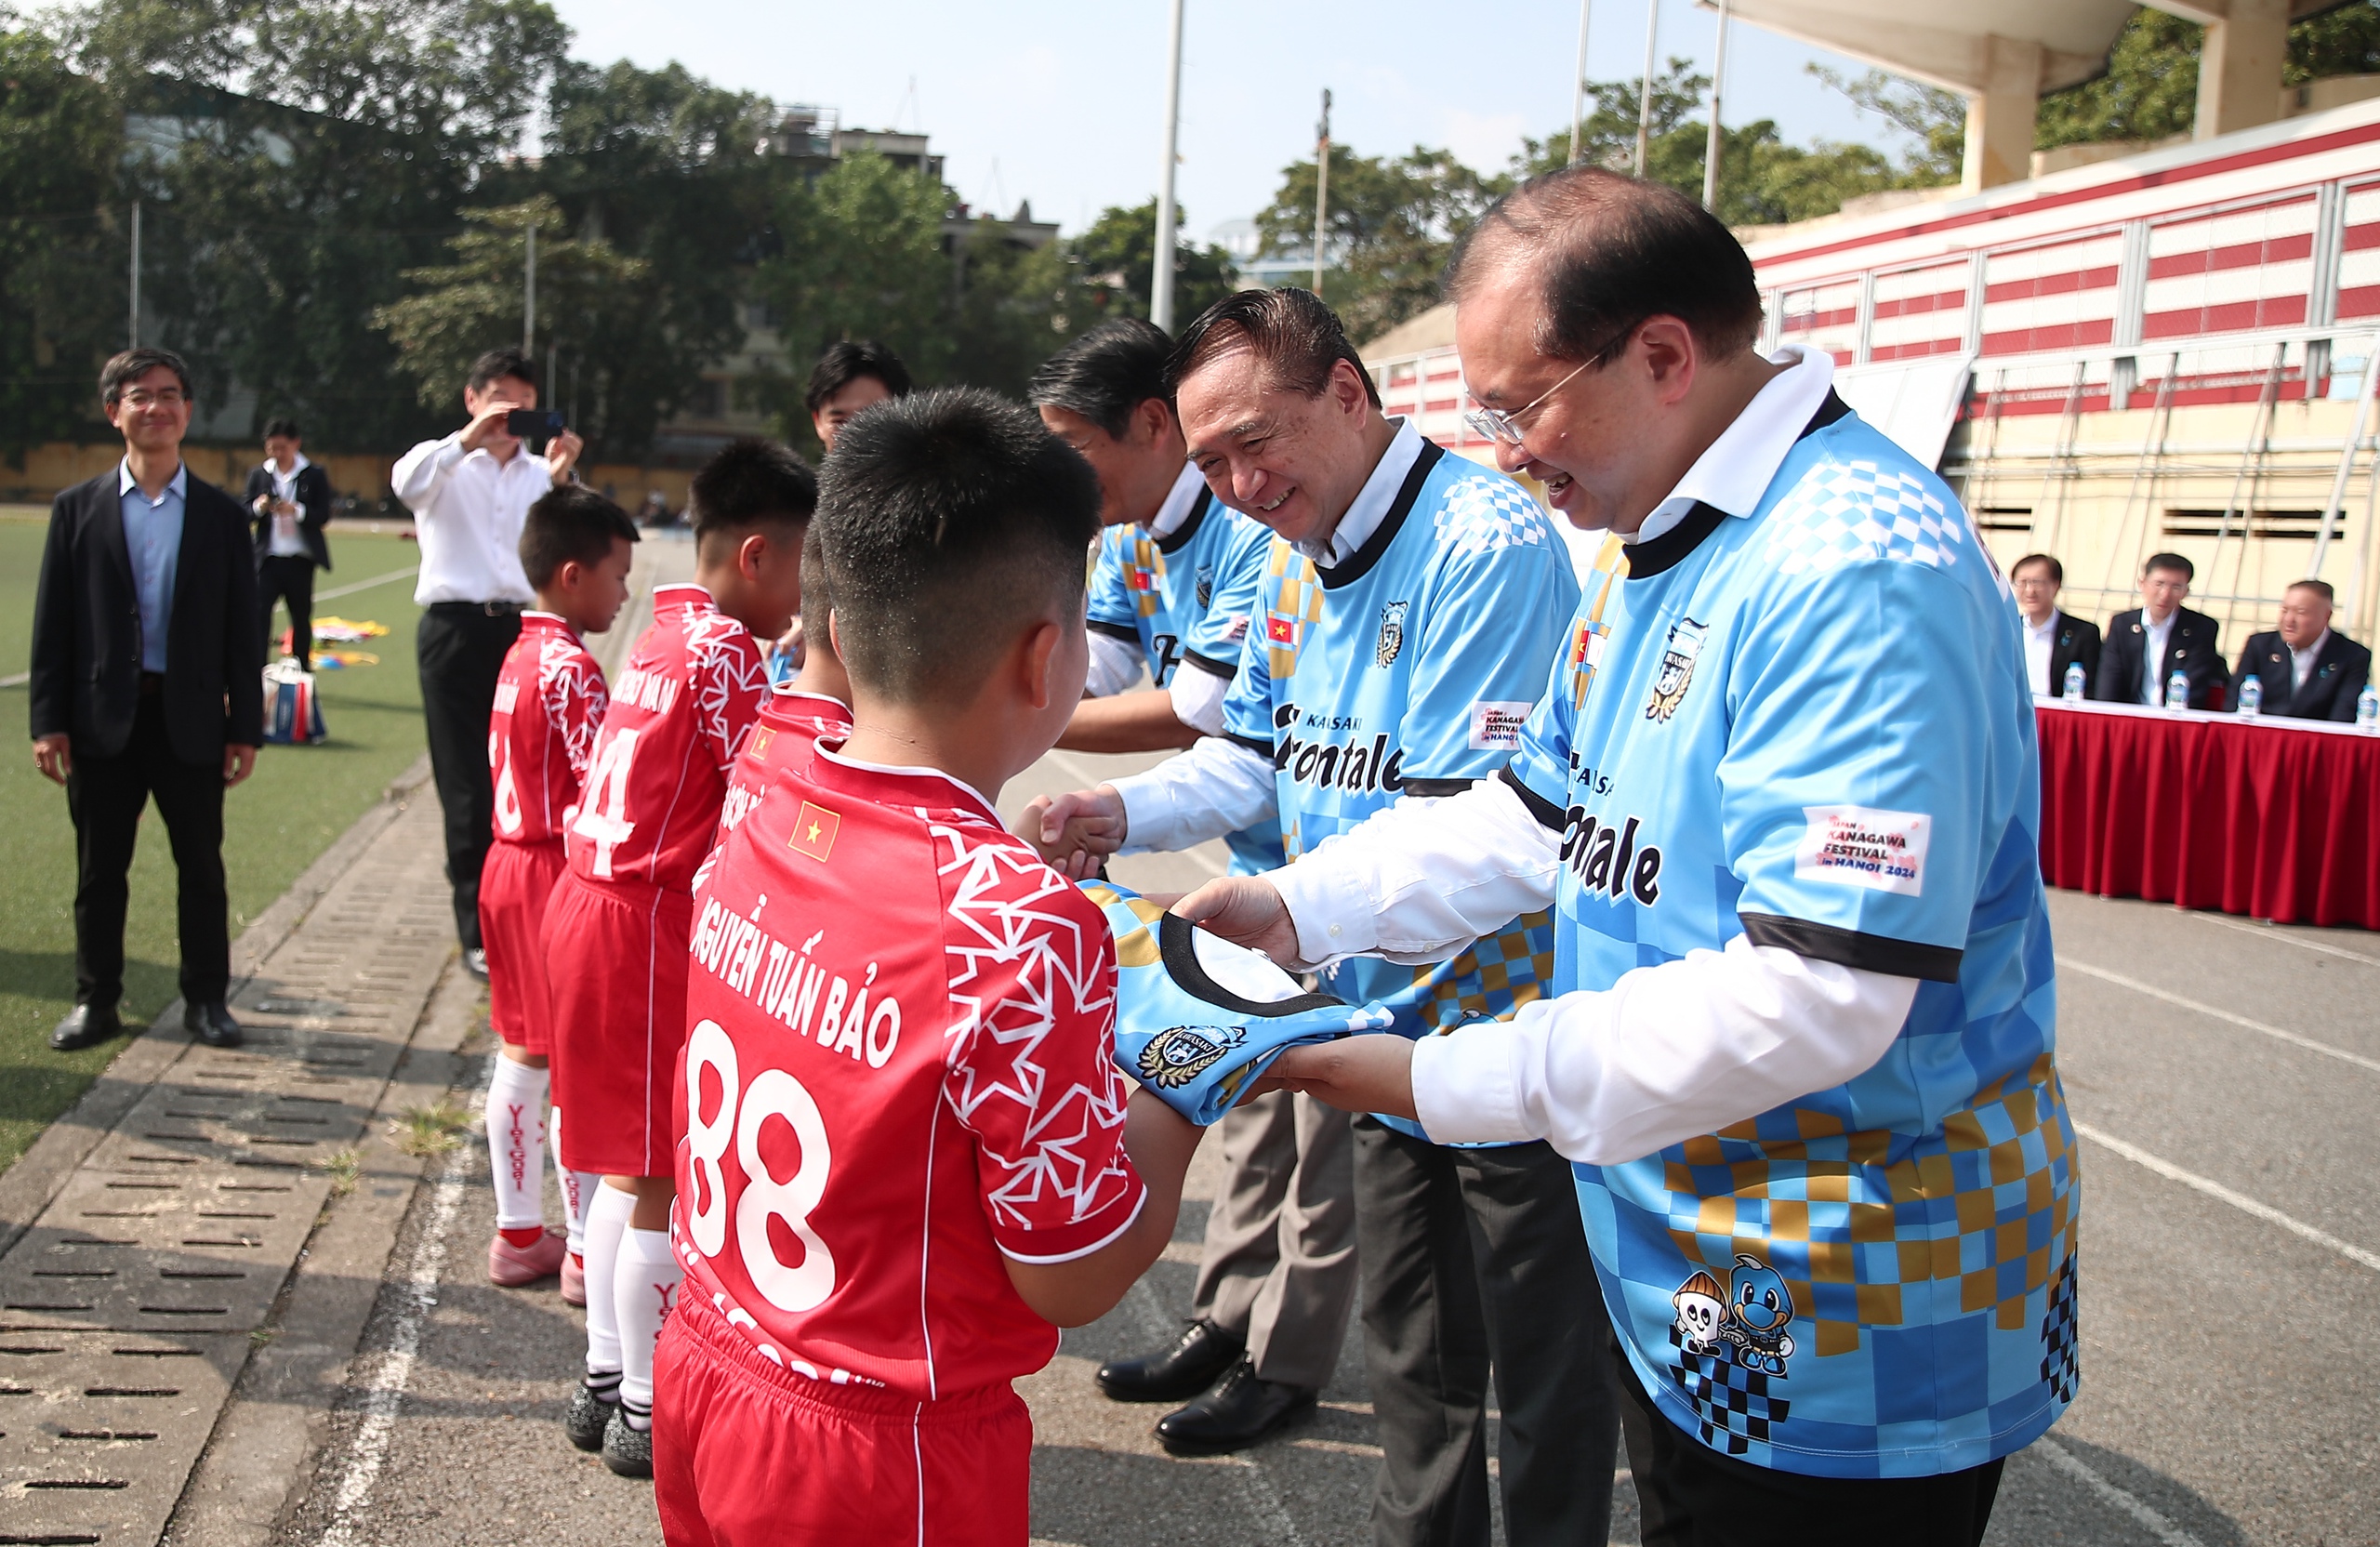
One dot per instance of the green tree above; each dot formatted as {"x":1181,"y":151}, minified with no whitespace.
{"x":1392,"y":223}
{"x":861,"y":256}
{"x":460,"y":310}
{"x":1117,"y":256}
{"x":2150,"y":89}
{"x":61,"y":274}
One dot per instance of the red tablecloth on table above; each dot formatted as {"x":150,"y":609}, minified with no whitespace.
{"x":2270,"y":817}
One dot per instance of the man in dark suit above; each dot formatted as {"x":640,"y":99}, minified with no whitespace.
{"x":292,"y":501}
{"x":2308,"y":672}
{"x":147,"y":683}
{"x":2147,"y":645}
{"x":2053,"y":640}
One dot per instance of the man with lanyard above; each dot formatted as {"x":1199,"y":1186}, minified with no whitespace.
{"x":1176,"y":578}
{"x":470,"y":495}
{"x":1410,"y":603}
{"x":1782,"y":788}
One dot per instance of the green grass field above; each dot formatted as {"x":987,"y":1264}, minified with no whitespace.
{"x":300,"y":799}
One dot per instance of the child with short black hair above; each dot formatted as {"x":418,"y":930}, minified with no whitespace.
{"x":576,"y":547}
{"x":616,"y":928}
{"x":908,"y":1151}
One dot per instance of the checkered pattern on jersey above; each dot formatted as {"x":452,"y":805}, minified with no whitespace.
{"x":1854,"y":508}
{"x":2061,"y":1333}
{"x":1590,"y":631}
{"x":1734,"y":1405}
{"x":1853,"y":1221}
{"x":1496,"y":976}
{"x":1145,"y":574}
{"x":1029,"y":955}
{"x":1294,"y":607}
{"x":1481,"y":514}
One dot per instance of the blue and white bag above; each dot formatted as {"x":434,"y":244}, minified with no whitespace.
{"x":1198,"y":1017}
{"x":293,"y":715}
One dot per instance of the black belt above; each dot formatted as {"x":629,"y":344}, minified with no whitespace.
{"x":151,"y":683}
{"x":484,"y":609}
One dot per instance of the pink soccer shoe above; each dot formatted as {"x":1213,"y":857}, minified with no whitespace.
{"x":511,"y":1266}
{"x":574,"y":1280}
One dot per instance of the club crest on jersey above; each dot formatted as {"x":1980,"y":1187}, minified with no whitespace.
{"x":1179,"y":1054}
{"x":1205,"y":588}
{"x":1392,"y":633}
{"x":1677,"y":668}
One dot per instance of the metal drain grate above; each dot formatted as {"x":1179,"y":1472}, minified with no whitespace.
{"x":125,"y":1308}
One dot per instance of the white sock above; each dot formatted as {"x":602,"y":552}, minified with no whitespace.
{"x":647,"y":1283}
{"x":607,"y":1220}
{"x":577,"y":1190}
{"x":516,"y":1143}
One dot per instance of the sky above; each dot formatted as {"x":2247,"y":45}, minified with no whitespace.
{"x":1062,"y":102}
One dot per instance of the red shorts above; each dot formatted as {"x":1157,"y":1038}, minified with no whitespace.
{"x":744,"y":1453}
{"x":514,"y":886}
{"x":615,"y":971}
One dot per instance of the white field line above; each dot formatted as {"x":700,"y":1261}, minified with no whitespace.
{"x":2066,"y":964}
{"x":387,"y":1391}
{"x":1263,"y":1500}
{"x":2146,"y":1518}
{"x":2241,"y":1201}
{"x":2268,"y":932}
{"x":354,"y":585}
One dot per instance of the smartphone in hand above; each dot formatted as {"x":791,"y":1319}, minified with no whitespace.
{"x":534,"y":424}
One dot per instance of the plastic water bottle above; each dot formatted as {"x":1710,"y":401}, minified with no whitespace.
{"x":2367,"y":709}
{"x":2251,"y":697}
{"x":2177,"y":691}
{"x":2074,"y":681}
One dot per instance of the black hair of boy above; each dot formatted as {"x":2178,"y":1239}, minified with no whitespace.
{"x":849,"y":361}
{"x":570,"y":522}
{"x":949,"y":520}
{"x":1106,"y":373}
{"x":817,"y":592}
{"x":282,"y":430}
{"x":751,"y":482}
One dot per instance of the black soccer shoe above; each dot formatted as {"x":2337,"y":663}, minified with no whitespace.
{"x":1238,"y":1413}
{"x":1176,"y":1372}
{"x":589,"y":1415}
{"x":627,"y":1450}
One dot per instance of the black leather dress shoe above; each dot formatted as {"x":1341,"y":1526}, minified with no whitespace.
{"x":1176,"y":1372}
{"x":212,"y":1025}
{"x":1233,"y":1416}
{"x":85,"y":1027}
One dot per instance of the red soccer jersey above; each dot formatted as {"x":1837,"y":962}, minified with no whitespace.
{"x":658,"y":775}
{"x":550,"y":699}
{"x":790,"y":725}
{"x":898,"y":1070}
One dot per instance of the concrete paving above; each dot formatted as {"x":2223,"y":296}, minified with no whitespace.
{"x":2225,"y":1075}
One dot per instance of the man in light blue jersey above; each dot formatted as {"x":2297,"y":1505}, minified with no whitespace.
{"x":1411,"y":603}
{"x":1782,"y":790}
{"x":1172,"y":588}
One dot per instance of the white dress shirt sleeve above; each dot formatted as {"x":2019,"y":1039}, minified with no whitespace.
{"x":1418,"y":882}
{"x":418,"y":473}
{"x":1217,"y":787}
{"x":1667,"y":1052}
{"x":1199,"y":699}
{"x":1115,"y":665}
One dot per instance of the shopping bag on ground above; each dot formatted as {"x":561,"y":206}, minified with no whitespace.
{"x":1198,"y":1017}
{"x":293,"y":715}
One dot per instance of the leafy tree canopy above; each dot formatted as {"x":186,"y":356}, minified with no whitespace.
{"x":1119,"y":261}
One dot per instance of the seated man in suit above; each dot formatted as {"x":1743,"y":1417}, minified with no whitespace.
{"x":2147,"y":645}
{"x":2053,"y":640}
{"x":291,"y":501}
{"x":147,"y":683}
{"x":2308,"y":672}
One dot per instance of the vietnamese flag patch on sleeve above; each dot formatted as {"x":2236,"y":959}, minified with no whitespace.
{"x":1281,"y":630}
{"x":813,"y":832}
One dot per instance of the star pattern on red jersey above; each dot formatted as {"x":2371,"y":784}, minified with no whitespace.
{"x":728,"y":677}
{"x":571,"y":686}
{"x":1025,"y":957}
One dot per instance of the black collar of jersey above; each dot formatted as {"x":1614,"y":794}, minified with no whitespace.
{"x":1181,"y":958}
{"x":1359,"y":563}
{"x":1650,"y":558}
{"x":1173,"y":541}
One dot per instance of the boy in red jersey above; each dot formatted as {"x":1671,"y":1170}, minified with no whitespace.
{"x":908,"y":1149}
{"x":813,"y":704}
{"x":615,"y":931}
{"x":576,"y":547}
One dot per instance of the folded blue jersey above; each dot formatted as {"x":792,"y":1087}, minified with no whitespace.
{"x":1198,"y":1017}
